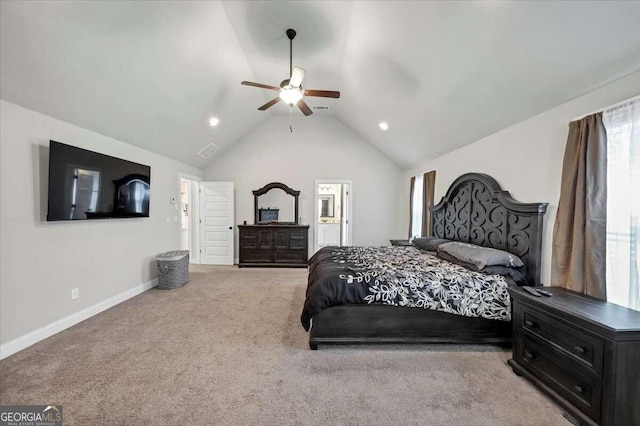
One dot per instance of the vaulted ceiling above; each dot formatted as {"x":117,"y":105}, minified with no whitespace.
{"x":442,"y":74}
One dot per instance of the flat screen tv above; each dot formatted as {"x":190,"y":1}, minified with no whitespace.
{"x":87,"y":185}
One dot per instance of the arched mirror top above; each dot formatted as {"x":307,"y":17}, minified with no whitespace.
{"x":268,"y":187}
{"x":277,"y":207}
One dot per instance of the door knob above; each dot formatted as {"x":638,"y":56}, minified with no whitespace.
{"x":231,"y":227}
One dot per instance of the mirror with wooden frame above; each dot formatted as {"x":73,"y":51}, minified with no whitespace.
{"x":272,"y":205}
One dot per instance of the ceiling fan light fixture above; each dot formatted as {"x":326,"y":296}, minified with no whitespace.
{"x":290,"y":90}
{"x":290,"y":95}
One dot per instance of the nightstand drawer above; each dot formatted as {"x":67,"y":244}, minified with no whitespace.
{"x":583,"y":347}
{"x":558,"y":372}
{"x":582,"y":352}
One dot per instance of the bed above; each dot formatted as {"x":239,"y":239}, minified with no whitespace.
{"x":368,"y":295}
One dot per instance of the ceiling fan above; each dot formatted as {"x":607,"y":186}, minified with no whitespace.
{"x":291,"y":91}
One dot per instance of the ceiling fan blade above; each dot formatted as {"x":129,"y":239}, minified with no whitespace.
{"x":322,"y":93}
{"x":296,"y":76}
{"x":262,"y":86}
{"x":269,"y":104}
{"x":304,"y":107}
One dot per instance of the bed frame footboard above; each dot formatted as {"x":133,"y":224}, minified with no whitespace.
{"x":370,"y":324}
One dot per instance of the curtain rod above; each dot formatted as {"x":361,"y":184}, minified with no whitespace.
{"x":608,"y":107}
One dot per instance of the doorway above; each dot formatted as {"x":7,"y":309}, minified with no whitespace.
{"x":333,"y":213}
{"x":189,"y":188}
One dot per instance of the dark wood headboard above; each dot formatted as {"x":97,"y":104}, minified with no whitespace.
{"x":477,"y":210}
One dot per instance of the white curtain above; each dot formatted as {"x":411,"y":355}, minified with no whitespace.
{"x":623,"y":203}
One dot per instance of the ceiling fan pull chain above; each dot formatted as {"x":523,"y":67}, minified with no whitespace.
{"x":291,"y":119}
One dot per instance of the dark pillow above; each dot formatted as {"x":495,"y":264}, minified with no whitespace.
{"x":480,"y":256}
{"x":429,"y":243}
{"x":516,"y":273}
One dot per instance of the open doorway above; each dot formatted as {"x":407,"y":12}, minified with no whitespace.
{"x":333,"y":213}
{"x":189,"y":188}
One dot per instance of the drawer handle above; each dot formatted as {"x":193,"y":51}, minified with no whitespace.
{"x":577,"y":388}
{"x":529,"y":355}
{"x":529,"y":323}
{"x":579,"y":349}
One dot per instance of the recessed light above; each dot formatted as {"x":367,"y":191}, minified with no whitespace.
{"x":383,"y":125}
{"x":213,"y":121}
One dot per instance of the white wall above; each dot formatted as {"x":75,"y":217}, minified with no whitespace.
{"x":40,"y":262}
{"x":320,"y":147}
{"x":526,"y":159}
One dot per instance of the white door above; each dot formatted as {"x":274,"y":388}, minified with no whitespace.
{"x":216,"y":223}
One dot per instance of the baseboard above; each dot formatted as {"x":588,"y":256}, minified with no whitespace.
{"x":49,"y":330}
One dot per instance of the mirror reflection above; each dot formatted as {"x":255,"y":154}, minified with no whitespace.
{"x":276,"y":206}
{"x":329,"y":203}
{"x":326,"y":206}
{"x":276,"y":203}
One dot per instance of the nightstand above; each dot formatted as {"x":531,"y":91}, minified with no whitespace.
{"x":402,"y":243}
{"x":582,"y":352}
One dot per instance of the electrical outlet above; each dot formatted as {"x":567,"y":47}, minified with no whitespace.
{"x":75,"y":293}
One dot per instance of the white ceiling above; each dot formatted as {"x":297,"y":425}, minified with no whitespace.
{"x":442,"y":74}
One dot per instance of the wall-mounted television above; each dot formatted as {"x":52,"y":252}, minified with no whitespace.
{"x":87,"y":185}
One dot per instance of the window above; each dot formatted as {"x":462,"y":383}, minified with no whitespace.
{"x":622,"y":123}
{"x":422,"y":192}
{"x":417,"y":209}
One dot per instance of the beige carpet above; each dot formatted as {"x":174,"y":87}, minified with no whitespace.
{"x":228,"y":349}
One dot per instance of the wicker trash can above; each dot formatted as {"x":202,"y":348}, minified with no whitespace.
{"x":173,"y":269}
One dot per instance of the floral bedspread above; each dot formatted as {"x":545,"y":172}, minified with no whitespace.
{"x":401,"y":276}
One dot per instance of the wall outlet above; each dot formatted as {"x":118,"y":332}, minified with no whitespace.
{"x":75,"y":293}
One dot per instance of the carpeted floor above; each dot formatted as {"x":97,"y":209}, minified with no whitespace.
{"x":228,"y":349}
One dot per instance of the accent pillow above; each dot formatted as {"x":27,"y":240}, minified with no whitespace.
{"x":480,"y":256}
{"x":516,"y":273}
{"x":429,"y":243}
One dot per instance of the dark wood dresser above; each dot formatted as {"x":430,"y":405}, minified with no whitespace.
{"x":274,"y":245}
{"x":582,"y":352}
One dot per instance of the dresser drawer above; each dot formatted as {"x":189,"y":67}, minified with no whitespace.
{"x":585,"y":348}
{"x":255,"y":255}
{"x":298,"y":234}
{"x":298,"y":245}
{"x":290,"y":256}
{"x":557,"y":370}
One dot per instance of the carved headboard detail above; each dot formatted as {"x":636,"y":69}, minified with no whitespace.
{"x":477,"y":210}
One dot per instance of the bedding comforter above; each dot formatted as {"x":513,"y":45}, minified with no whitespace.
{"x":401,"y":276}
